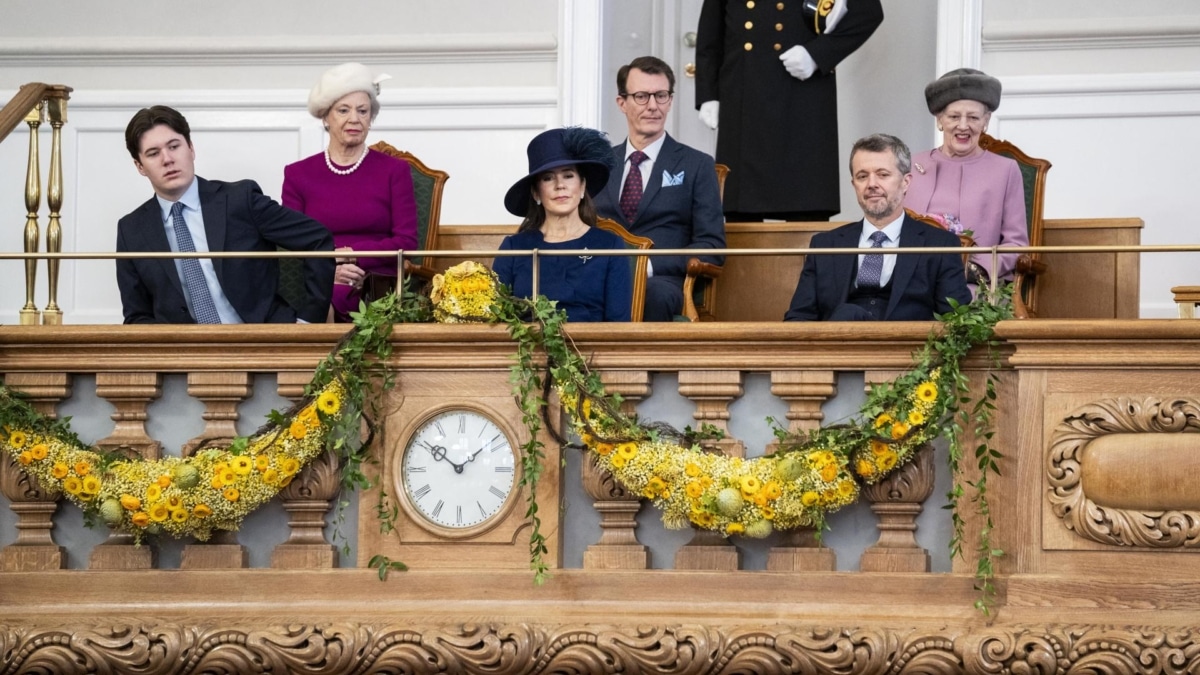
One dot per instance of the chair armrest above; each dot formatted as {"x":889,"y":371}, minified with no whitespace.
{"x":698,"y":268}
{"x":411,"y":270}
{"x":1028,"y":266}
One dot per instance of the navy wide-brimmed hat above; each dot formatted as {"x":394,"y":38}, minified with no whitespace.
{"x":587,"y":149}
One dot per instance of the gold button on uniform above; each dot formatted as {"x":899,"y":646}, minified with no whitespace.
{"x":749,"y":46}
{"x":778,"y":26}
{"x":750,"y":4}
{"x":778,"y":46}
{"x":779,"y":6}
{"x":749,"y":25}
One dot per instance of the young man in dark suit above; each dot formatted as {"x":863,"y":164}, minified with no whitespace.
{"x":874,"y":286}
{"x":189,"y":213}
{"x":668,"y":192}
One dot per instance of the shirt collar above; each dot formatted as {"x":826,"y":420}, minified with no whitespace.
{"x":892,"y":230}
{"x":190,"y":199}
{"x":651,"y":150}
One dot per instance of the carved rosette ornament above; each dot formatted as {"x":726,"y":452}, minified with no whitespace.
{"x":1128,"y":508}
{"x":275,"y":646}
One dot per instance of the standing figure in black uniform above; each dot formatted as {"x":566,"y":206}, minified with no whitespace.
{"x":765,"y":80}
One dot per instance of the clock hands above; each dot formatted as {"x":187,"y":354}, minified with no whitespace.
{"x":439,"y":453}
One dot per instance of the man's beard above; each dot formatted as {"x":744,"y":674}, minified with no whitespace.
{"x":884,"y":208}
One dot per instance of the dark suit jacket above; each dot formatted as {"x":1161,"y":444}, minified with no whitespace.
{"x":687,"y":215}
{"x":921,"y":283}
{"x":237,"y":217}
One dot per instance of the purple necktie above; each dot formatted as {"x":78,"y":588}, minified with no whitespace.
{"x":631,"y":193}
{"x":871,"y":272}
{"x":193,"y":277}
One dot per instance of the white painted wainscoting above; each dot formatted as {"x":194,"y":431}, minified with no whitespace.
{"x":477,"y":135}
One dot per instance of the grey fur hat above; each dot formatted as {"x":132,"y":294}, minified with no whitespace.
{"x":960,"y":84}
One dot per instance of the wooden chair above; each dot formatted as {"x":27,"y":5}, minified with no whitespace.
{"x":700,"y":284}
{"x":427,"y":188}
{"x":637,"y":263}
{"x":1029,"y":265}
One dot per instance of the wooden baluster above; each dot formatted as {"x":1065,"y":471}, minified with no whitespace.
{"x":618,"y":547}
{"x":221,"y":393}
{"x":307,"y":499}
{"x":130,"y":394}
{"x":34,"y":548}
{"x":712,"y":391}
{"x":898,"y":500}
{"x":56,"y":108}
{"x":804,"y":391}
{"x":29,"y":315}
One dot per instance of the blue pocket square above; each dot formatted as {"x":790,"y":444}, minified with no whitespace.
{"x":669,"y":180}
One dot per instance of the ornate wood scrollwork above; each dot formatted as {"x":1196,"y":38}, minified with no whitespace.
{"x":276,"y":646}
{"x":1114,"y":525}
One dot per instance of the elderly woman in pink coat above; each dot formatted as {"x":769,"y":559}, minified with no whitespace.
{"x":960,"y":183}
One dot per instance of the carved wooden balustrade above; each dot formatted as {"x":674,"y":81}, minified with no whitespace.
{"x":1095,"y":510}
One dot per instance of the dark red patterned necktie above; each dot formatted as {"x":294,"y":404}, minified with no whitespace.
{"x":631,"y":193}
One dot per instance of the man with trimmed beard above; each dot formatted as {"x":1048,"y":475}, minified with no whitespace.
{"x":874,"y":286}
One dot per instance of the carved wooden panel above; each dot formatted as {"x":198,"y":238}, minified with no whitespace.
{"x":1121,"y":472}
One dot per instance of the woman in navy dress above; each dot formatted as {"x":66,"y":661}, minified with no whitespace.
{"x":566,"y":167}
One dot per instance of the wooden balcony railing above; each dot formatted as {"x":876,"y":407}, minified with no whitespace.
{"x":1094,"y":509}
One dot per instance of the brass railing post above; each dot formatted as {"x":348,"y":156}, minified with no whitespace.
{"x":56,"y":109}
{"x":33,"y":198}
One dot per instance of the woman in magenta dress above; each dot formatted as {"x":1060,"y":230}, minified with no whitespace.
{"x":364,"y":197}
{"x":963,"y":185}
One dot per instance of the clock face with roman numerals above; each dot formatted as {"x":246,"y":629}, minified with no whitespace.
{"x":459,"y":469}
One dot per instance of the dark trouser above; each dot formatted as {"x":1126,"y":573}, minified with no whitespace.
{"x":664,"y":298}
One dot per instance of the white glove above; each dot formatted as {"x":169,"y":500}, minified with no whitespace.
{"x":709,"y":113}
{"x":835,"y":15}
{"x":798,"y":63}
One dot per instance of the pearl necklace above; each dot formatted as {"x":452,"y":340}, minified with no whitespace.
{"x":345,"y":172}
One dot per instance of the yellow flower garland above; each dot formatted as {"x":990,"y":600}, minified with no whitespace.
{"x":212,"y":490}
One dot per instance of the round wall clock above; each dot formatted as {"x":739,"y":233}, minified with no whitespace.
{"x":458,"y":471}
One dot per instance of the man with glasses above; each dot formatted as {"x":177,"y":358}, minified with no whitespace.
{"x":668,"y":192}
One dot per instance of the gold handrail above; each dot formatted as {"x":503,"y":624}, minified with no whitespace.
{"x":33,"y":103}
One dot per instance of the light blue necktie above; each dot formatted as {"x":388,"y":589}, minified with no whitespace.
{"x":870,"y":273}
{"x":203,"y":307}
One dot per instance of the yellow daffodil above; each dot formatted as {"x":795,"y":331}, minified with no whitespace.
{"x":691,"y":469}
{"x":140,"y":519}
{"x":829,"y":472}
{"x":694,"y":490}
{"x":883,"y":420}
{"x":604,"y":448}
{"x":656,"y":484}
{"x":587,"y":439}
{"x":878,"y":447}
{"x":298,"y":430}
{"x":217,"y":483}
{"x":231,"y":494}
{"x":270,"y":477}
{"x":18,"y":439}
{"x":262,"y":463}
{"x":153,"y":493}
{"x":927,"y":392}
{"x":759,"y":498}
{"x":130,"y":503}
{"x":586,"y":408}
{"x":618,"y":461}
{"x":174,"y":502}
{"x":847,"y":488}
{"x":809,"y":498}
{"x":82,"y":468}
{"x":768,"y":512}
{"x":59,"y":470}
{"x":159,"y":512}
{"x":865,"y":468}
{"x":25,"y":458}
{"x":773,"y":490}
{"x":220,"y":467}
{"x":899,"y":429}
{"x":703,"y":519}
{"x":228,"y":477}
{"x":201,"y":511}
{"x":749,"y":485}
{"x":888,"y":461}
{"x":39,"y":452}
{"x":916,"y":418}
{"x":627,"y":450}
{"x":308,"y":416}
{"x":328,"y":402}
{"x":284,"y":481}
{"x":179,"y":515}
{"x":735,"y":528}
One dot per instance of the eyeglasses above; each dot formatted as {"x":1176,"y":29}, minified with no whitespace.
{"x":643,"y":97}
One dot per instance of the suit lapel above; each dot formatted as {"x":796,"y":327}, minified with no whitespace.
{"x":213,"y":208}
{"x":845,"y":265}
{"x":154,"y":238}
{"x":615,"y":184}
{"x":666,"y":161}
{"x":911,"y":236}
